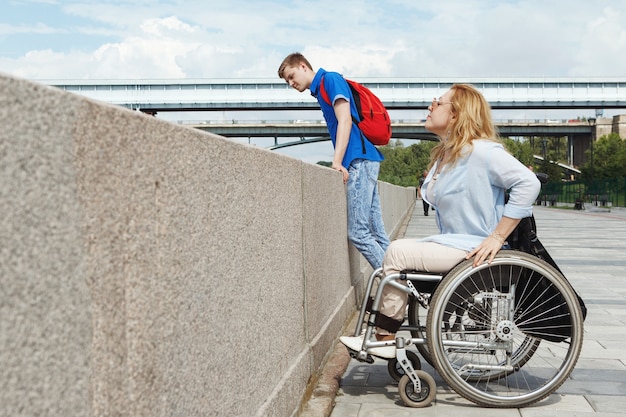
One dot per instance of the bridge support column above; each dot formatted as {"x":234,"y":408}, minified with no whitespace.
{"x":570,"y":149}
{"x":580,"y":143}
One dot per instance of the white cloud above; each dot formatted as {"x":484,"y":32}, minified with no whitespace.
{"x":39,"y":28}
{"x":153,"y":53}
{"x":47,"y":64}
{"x":603,"y":45}
{"x":369,"y":61}
{"x":361,"y":38}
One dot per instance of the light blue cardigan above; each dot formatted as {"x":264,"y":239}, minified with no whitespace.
{"x":469,"y":196}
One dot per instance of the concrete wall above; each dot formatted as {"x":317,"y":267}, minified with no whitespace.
{"x":619,"y":125}
{"x":605,"y":126}
{"x":149,"y":269}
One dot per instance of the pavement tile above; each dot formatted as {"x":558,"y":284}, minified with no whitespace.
{"x":608,"y":404}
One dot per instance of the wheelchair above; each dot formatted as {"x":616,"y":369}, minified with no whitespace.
{"x":502,"y":335}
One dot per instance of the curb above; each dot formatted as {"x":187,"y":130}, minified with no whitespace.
{"x":322,"y":399}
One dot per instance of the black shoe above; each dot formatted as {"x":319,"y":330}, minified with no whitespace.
{"x":425,"y":213}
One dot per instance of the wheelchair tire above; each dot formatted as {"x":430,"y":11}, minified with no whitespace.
{"x":420,"y":399}
{"x":505,"y":334}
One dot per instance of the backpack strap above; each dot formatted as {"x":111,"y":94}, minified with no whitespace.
{"x":326,"y":99}
{"x":324,"y":93}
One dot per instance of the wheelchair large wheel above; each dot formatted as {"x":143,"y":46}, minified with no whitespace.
{"x":505,"y":334}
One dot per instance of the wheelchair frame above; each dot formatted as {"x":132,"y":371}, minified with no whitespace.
{"x":505,"y":334}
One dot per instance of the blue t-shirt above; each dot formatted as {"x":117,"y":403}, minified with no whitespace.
{"x":337,"y":87}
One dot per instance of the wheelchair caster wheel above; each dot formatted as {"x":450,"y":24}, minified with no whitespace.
{"x":417,"y":399}
{"x":395,"y":369}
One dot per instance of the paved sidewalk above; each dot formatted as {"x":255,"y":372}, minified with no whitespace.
{"x":590,"y":248}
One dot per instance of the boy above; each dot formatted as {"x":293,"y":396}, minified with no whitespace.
{"x":355,"y":157}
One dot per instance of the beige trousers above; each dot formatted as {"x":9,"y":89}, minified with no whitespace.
{"x":405,"y":254}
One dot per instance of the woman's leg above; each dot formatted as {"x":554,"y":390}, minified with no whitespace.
{"x":409,"y":254}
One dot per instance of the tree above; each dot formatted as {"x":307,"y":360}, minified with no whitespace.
{"x":609,"y":158}
{"x":520,"y":149}
{"x":404,"y":165}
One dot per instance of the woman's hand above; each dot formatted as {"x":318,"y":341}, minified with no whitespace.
{"x":490,"y":246}
{"x":487,"y":249}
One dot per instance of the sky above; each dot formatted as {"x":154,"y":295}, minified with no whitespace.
{"x":114,"y":39}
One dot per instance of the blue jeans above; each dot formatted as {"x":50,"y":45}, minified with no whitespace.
{"x":366,"y":230}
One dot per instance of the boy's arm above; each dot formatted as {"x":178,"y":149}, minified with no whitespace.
{"x":344,"y":126}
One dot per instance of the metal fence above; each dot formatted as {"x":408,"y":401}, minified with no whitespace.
{"x":600,"y":192}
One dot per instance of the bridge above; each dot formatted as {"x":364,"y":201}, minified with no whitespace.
{"x":578,"y":132}
{"x":402,"y":129}
{"x":153,"y":96}
{"x":185,"y":95}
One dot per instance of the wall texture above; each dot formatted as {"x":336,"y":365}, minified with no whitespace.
{"x":148,"y":269}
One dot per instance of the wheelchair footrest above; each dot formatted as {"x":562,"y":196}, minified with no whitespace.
{"x":354,"y":355}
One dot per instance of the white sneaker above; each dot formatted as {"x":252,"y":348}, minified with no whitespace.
{"x":356,"y":343}
{"x":353,"y":342}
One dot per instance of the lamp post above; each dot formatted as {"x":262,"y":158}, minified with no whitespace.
{"x":592,"y":124}
{"x":544,"y":151}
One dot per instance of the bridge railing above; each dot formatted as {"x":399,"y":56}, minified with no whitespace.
{"x":410,"y":93}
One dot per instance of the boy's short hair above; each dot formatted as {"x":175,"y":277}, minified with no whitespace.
{"x":291,"y":61}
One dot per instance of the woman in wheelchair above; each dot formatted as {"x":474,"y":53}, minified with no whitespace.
{"x":469,"y":175}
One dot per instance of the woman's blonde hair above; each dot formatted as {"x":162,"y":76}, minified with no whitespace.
{"x":473,"y":121}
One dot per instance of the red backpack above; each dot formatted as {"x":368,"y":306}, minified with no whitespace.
{"x":374,"y":121}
